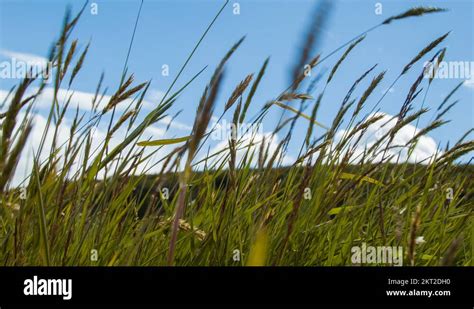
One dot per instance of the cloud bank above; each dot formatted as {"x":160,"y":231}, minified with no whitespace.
{"x":426,"y":148}
{"x":24,"y":57}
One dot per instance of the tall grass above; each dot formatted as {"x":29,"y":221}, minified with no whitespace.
{"x":308,"y":213}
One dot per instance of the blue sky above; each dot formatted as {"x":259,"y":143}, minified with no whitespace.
{"x":168,"y":30}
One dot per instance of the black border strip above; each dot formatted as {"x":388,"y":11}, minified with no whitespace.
{"x":239,"y":285}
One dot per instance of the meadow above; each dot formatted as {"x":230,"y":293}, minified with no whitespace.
{"x":94,"y":206}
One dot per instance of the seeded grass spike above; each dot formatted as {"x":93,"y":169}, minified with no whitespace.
{"x":416,"y":11}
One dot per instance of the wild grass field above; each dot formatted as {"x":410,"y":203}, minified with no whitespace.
{"x":86,"y":205}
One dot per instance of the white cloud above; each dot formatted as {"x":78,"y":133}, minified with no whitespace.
{"x":83,"y":100}
{"x":24,"y":57}
{"x":3,"y":95}
{"x":469,"y":82}
{"x":168,"y":120}
{"x":425,"y":149}
{"x":98,"y":137}
{"x":23,"y":170}
{"x":154,"y":132}
{"x":155,"y":95}
{"x":80,"y":99}
{"x":32,"y":146}
{"x":250,"y":144}
{"x":389,"y":90}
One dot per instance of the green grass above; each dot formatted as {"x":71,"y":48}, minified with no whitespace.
{"x":308,"y":213}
